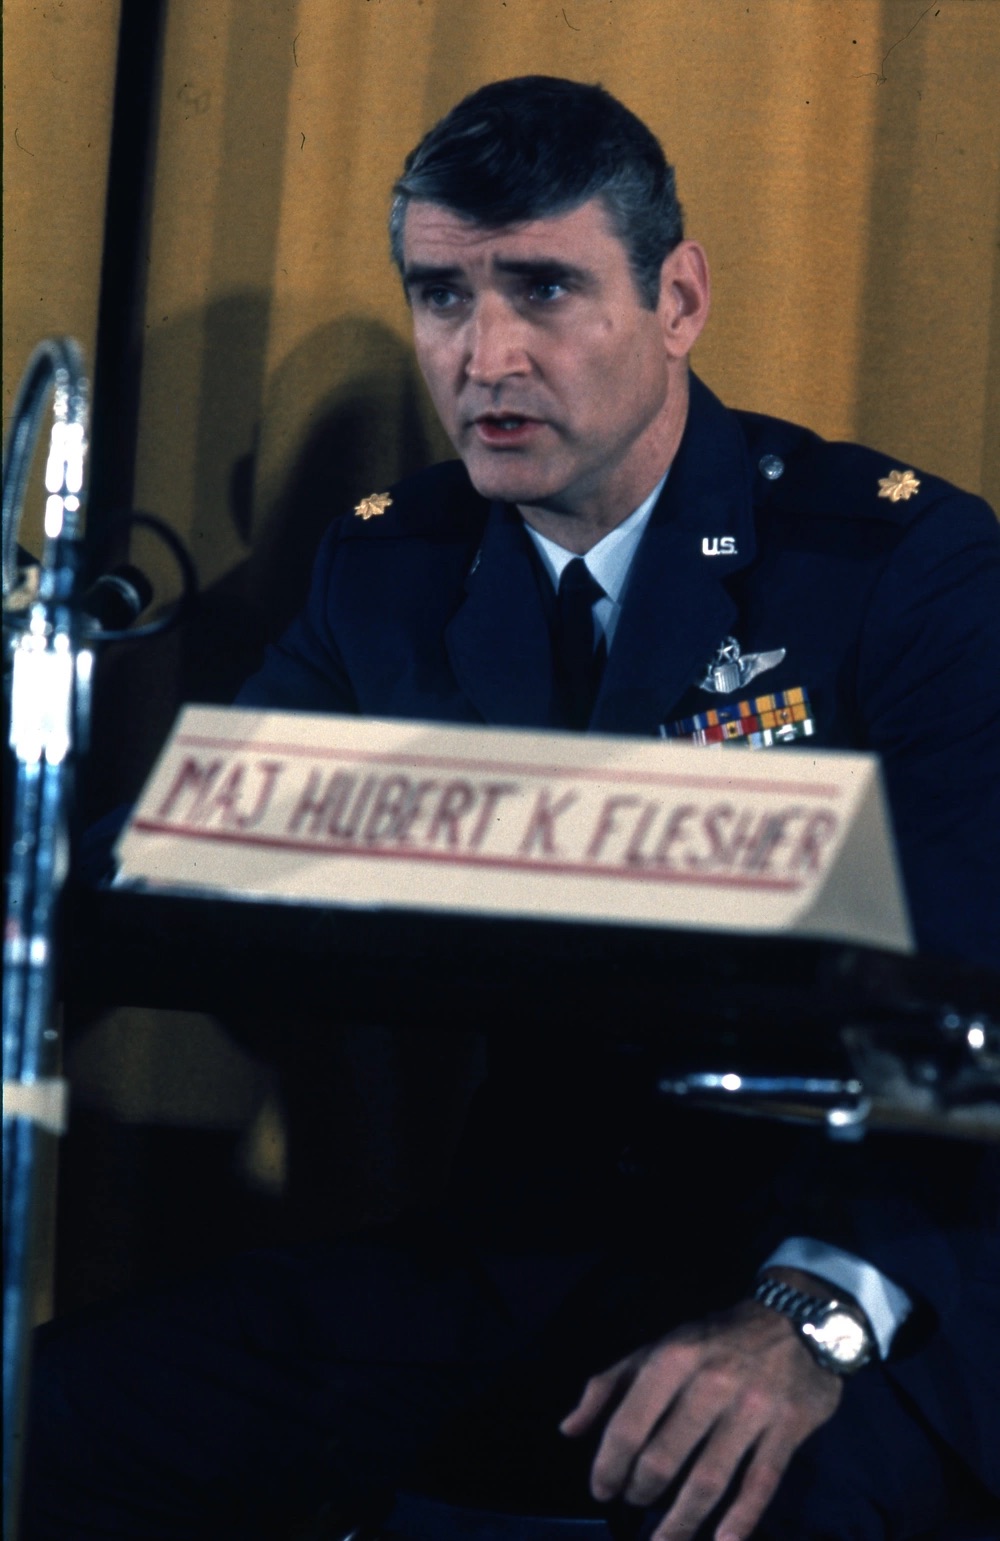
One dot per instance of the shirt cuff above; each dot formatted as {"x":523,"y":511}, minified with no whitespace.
{"x":884,"y":1303}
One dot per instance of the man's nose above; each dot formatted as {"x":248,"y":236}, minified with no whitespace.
{"x":496,"y":343}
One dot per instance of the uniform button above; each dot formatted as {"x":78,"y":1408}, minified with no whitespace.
{"x":772,"y":466}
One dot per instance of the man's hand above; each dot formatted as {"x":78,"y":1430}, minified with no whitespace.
{"x":740,"y":1384}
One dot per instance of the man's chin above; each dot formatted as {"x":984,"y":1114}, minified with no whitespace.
{"x":503,"y":478}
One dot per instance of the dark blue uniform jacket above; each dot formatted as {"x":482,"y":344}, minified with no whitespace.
{"x":889,"y":614}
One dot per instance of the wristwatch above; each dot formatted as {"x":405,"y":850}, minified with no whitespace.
{"x":836,"y":1332}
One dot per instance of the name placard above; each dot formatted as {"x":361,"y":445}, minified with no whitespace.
{"x":353,"y":811}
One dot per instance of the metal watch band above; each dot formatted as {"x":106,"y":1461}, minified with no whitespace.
{"x":793,"y":1303}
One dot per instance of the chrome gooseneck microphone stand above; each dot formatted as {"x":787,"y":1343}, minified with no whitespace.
{"x":50,"y":638}
{"x":50,"y":675}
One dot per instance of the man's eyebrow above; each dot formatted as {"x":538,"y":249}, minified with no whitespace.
{"x":430,"y":273}
{"x":540,"y":268}
{"x":543,"y":268}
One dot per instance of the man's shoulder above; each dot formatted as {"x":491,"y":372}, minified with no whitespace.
{"x":437,"y":503}
{"x":801,"y":474}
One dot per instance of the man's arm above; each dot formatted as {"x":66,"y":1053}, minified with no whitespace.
{"x":739,"y":1392}
{"x":928,"y":692}
{"x":303,"y":670}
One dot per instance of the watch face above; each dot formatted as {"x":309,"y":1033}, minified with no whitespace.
{"x":839,"y":1338}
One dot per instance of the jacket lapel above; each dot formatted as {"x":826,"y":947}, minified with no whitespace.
{"x":676,"y":609}
{"x":498,"y":641}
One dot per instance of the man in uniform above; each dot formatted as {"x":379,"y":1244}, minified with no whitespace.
{"x":615,"y":551}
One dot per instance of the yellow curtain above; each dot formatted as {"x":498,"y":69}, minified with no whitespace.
{"x":59,"y":75}
{"x":839,"y":159}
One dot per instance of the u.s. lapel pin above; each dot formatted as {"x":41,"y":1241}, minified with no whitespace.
{"x":731,"y":670}
{"x":372,"y":507}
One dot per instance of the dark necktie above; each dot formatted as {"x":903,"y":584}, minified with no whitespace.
{"x":579,"y":664}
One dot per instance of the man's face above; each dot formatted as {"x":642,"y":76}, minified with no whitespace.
{"x":558,"y":387}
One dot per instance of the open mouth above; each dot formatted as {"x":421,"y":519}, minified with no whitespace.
{"x":505,"y":427}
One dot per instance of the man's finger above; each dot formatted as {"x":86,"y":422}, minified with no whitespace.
{"x":647,"y":1400}
{"x":710,"y":1476}
{"x":668,"y":1448}
{"x":597,"y":1393}
{"x":759,"y":1485}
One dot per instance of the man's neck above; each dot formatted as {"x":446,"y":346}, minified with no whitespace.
{"x":580,"y":531}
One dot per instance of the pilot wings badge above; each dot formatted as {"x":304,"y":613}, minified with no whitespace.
{"x":729,"y":670}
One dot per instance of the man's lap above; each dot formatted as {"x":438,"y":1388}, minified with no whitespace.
{"x":285,"y":1379}
{"x":277,"y":1378}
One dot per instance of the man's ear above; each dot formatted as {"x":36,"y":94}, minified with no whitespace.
{"x":685,"y":297}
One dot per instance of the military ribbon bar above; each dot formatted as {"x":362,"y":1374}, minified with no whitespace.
{"x":757,"y":723}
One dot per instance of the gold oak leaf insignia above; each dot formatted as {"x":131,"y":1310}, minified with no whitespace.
{"x":371,"y":508}
{"x":898,"y":485}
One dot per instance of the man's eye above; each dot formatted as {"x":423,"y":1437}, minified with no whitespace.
{"x":439,"y":297}
{"x":546,"y":290}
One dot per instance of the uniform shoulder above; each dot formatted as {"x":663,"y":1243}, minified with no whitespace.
{"x":438,"y":501}
{"x":798,"y":472}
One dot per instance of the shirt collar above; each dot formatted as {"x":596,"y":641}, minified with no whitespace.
{"x":610,"y":560}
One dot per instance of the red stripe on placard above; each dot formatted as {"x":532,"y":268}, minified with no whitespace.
{"x":500,"y":863}
{"x":511,"y":768}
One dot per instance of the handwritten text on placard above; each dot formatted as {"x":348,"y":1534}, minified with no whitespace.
{"x":672,"y":828}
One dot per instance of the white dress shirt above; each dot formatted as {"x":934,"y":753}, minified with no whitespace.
{"x":610,"y":562}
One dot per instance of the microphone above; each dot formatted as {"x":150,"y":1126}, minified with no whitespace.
{"x":114,"y":600}
{"x":117,"y":598}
